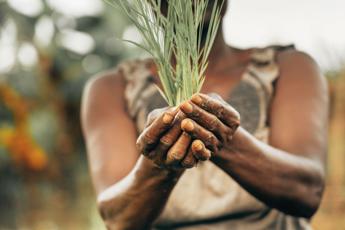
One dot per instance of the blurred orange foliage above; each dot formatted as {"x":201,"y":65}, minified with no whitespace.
{"x":18,"y":141}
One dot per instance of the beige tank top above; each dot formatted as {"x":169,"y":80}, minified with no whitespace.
{"x":205,"y":197}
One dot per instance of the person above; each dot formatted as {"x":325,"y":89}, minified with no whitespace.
{"x":248,"y":152}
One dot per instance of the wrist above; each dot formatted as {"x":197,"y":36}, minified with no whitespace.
{"x":147,"y":169}
{"x":235,"y":145}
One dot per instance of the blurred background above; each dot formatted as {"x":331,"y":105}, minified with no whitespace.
{"x":49,"y":49}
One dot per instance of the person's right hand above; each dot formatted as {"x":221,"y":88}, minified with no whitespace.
{"x":164,"y":142}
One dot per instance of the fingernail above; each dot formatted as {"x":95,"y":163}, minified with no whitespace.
{"x":197,"y":99}
{"x":167,"y":118}
{"x":197,"y":146}
{"x":187,"y":125}
{"x":187,"y":107}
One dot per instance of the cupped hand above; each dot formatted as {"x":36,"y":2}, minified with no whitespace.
{"x":211,"y":120}
{"x":166,"y":144}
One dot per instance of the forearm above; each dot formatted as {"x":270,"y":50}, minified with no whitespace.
{"x":137,"y":200}
{"x":290,"y":183}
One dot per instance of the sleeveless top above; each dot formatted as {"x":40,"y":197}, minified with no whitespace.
{"x":206,"y":197}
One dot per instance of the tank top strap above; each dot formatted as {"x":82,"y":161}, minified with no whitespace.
{"x":262,"y":73}
{"x":265,"y":68}
{"x":139,"y":88}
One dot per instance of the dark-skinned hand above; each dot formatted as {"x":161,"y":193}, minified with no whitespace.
{"x":166,"y":144}
{"x":211,"y":120}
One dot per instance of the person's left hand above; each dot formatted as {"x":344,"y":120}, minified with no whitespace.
{"x":211,"y":120}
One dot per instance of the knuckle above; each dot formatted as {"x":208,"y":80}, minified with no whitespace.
{"x":221,"y":111}
{"x":227,"y":135}
{"x":156,"y":113}
{"x":166,"y":141}
{"x":177,"y":155}
{"x":144,"y":144}
{"x":236,"y":124}
{"x":188,"y":162}
{"x":180,"y":116}
{"x":152,"y":115}
{"x":213,"y":142}
{"x":174,"y":157}
{"x":233,"y":127}
{"x":205,"y":101}
{"x":159,"y":162}
{"x":211,"y":138}
{"x":147,"y":139}
{"x":196,"y":112}
{"x":213,"y":123}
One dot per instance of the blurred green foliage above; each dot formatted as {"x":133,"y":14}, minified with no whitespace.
{"x":48,"y":50}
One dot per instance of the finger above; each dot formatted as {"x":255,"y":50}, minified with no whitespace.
{"x":189,"y":161}
{"x":178,"y":151}
{"x":216,"y":96}
{"x":199,"y":132}
{"x":150,"y":136}
{"x":200,"y":151}
{"x":169,"y":138}
{"x":207,"y":120}
{"x":152,"y":116}
{"x":223,"y":111}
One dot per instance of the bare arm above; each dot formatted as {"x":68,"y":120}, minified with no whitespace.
{"x":288,"y":173}
{"x":132,"y":189}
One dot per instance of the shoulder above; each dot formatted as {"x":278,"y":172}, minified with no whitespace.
{"x":294,"y":63}
{"x":116,"y":77}
{"x":112,"y":83}
{"x":104,"y":94}
{"x":103,"y":82}
{"x":103,"y":89}
{"x":299,"y":70}
{"x":101,"y":98}
{"x":290,"y":59}
{"x":301,"y":87}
